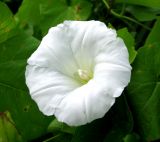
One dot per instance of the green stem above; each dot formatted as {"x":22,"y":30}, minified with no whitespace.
{"x":52,"y":138}
{"x":123,"y":8}
{"x":124,"y":17}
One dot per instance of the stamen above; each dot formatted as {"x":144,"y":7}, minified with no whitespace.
{"x":83,"y":74}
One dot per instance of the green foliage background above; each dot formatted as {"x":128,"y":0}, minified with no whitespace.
{"x":135,"y":117}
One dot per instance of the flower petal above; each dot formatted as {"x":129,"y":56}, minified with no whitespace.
{"x":48,"y":87}
{"x":112,"y":66}
{"x":90,"y":36}
{"x":84,"y":104}
{"x":54,"y":53}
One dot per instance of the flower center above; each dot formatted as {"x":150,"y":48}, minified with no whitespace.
{"x":83,"y":76}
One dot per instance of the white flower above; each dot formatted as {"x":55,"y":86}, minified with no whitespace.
{"x":78,"y":70}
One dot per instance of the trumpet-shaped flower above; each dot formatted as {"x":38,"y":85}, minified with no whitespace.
{"x":78,"y":70}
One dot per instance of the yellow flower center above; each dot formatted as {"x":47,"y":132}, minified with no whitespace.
{"x":83,"y":76}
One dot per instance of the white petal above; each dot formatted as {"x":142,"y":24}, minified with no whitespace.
{"x":48,"y":87}
{"x":84,"y":104}
{"x":112,"y":66}
{"x":55,"y":53}
{"x":90,"y":36}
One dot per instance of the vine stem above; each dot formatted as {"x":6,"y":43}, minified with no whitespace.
{"x":52,"y":138}
{"x":124,"y":17}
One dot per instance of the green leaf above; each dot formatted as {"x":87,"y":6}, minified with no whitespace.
{"x":154,"y":34}
{"x":26,"y":10}
{"x":8,"y":131}
{"x":14,"y":94}
{"x":142,"y":13}
{"x":7,"y":23}
{"x":144,"y":91}
{"x":129,"y":41}
{"x":54,"y":11}
{"x":147,"y":3}
{"x":132,"y":138}
{"x":56,"y":127}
